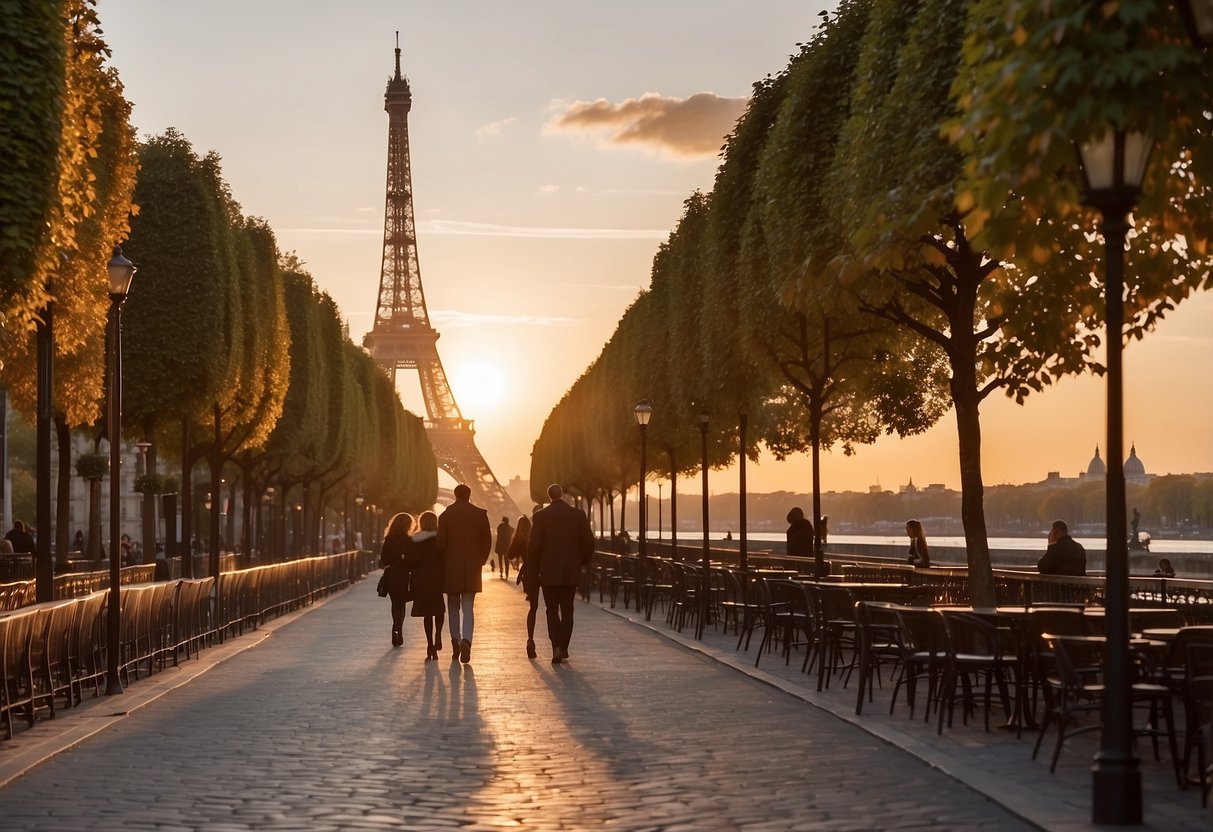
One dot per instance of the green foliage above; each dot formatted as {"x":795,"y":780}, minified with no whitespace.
{"x":92,"y":466}
{"x":32,"y":89}
{"x":155,"y":484}
{"x":177,"y":338}
{"x":1038,"y":78}
{"x":96,"y":168}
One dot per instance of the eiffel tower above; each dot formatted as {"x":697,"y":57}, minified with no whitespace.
{"x":402,"y":337}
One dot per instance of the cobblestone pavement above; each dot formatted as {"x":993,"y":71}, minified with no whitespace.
{"x":323,"y":725}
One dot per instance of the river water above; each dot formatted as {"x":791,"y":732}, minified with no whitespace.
{"x":1158,"y":546}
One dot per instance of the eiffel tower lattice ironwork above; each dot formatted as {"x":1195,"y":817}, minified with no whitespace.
{"x":402,"y":337}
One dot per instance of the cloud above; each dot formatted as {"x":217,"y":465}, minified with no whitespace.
{"x":495,"y":128}
{"x":455,"y":319}
{"x":686,"y":127}
{"x":548,"y":190}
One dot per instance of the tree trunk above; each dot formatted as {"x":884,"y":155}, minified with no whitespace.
{"x":216,"y":466}
{"x":187,"y":502}
{"x":972,"y":490}
{"x":63,"y":494}
{"x":669,"y":449}
{"x":229,"y":534}
{"x":94,"y":521}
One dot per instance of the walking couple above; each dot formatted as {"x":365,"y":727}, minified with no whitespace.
{"x":446,"y":555}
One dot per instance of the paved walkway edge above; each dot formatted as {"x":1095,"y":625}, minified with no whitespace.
{"x":986,"y":787}
{"x":71,"y":726}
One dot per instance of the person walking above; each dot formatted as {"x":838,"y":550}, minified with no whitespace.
{"x":395,"y":572}
{"x":425,"y":581}
{"x":505,"y":533}
{"x":465,"y":540}
{"x":561,"y":543}
{"x":920,"y":554}
{"x":528,"y":579}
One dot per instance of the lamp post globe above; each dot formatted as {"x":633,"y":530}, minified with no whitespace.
{"x":121,"y":271}
{"x":1113,"y":166}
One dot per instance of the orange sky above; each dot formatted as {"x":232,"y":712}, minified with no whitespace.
{"x":553,"y":144}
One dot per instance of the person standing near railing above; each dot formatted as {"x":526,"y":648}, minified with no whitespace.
{"x":799,"y":534}
{"x":1064,"y":555}
{"x":920,"y":553}
{"x":19,"y":536}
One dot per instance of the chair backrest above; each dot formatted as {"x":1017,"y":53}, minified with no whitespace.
{"x":1079,"y":660}
{"x":1198,"y":692}
{"x":837,"y":603}
{"x":789,"y":593}
{"x":922,"y":631}
{"x":1151,"y":619}
{"x":973,"y":635}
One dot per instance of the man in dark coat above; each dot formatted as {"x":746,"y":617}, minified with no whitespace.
{"x":800,"y":534}
{"x":561,"y":543}
{"x":465,"y":540}
{"x":505,"y":533}
{"x":22,"y":540}
{"x":1065,"y":555}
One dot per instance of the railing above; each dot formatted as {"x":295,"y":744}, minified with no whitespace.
{"x":1191,"y":596}
{"x":51,"y":653}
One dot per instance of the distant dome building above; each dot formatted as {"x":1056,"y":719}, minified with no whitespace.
{"x":1096,"y":468}
{"x":1135,"y":469}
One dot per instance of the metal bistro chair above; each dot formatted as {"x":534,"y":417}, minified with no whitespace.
{"x":977,"y":648}
{"x":785,"y":617}
{"x":879,"y":644}
{"x":1198,"y":708}
{"x":837,"y":632}
{"x":924,"y":649}
{"x":735,"y":603}
{"x":1079,"y":688}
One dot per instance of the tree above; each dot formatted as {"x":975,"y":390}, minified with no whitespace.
{"x":32,"y":96}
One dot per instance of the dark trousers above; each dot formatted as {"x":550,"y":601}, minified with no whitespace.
{"x":558,"y":601}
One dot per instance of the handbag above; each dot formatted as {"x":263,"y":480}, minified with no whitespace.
{"x":382,"y":587}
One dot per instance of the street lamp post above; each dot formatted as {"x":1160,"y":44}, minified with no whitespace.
{"x":742,"y":547}
{"x":1198,"y":15}
{"x":707,"y":555}
{"x":1113,"y":166}
{"x":643,"y":412}
{"x":659,"y":512}
{"x":121,"y":271}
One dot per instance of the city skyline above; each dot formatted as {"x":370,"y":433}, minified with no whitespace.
{"x":552,"y":147}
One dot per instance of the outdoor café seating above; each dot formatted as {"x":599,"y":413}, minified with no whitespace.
{"x":1198,"y":714}
{"x":1078,"y":686}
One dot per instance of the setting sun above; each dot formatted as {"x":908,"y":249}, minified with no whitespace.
{"x":477,"y":384}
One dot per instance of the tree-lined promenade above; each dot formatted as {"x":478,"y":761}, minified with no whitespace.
{"x":234,"y":362}
{"x":897,"y":229}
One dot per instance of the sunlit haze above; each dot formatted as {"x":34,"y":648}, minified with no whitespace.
{"x":552,"y":146}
